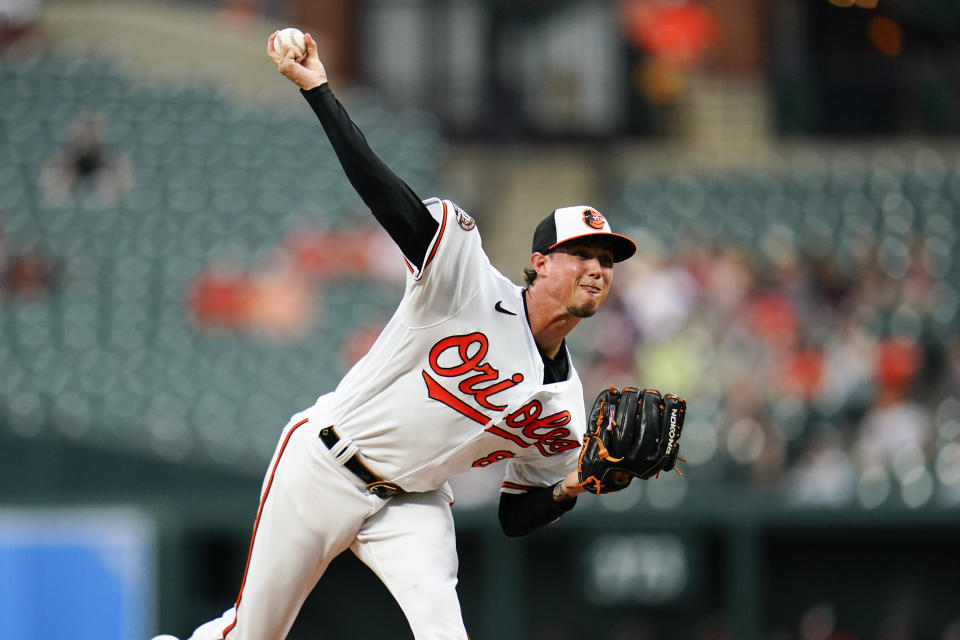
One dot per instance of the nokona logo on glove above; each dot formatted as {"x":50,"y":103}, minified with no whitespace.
{"x":672,"y":434}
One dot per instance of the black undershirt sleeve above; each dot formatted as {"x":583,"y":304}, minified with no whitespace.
{"x":393,"y":203}
{"x":523,"y":513}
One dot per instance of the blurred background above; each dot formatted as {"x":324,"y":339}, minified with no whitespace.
{"x":183,"y":266}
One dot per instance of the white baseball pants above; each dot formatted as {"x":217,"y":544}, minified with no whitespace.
{"x":311,"y":509}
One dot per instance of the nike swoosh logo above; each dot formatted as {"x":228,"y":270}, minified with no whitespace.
{"x":499,"y":307}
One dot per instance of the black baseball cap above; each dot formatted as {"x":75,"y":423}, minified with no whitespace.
{"x":579,"y":221}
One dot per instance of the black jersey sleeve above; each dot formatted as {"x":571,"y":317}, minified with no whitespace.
{"x":393,"y":203}
{"x":523,"y":513}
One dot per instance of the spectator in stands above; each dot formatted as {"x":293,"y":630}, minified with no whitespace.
{"x":896,"y":423}
{"x":275,"y":301}
{"x":824,"y":474}
{"x":847,"y":381}
{"x":87,"y":162}
{"x":218,"y":296}
{"x":659,"y":293}
{"x":280,"y":301}
{"x":28,"y":274}
{"x":18,"y":25}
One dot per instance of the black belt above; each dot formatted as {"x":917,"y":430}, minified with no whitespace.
{"x":375,"y":484}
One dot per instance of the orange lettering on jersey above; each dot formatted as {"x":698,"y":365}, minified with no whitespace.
{"x":438,"y":393}
{"x":463,"y":344}
{"x":461,"y":355}
{"x":488,"y":373}
{"x":548,"y":434}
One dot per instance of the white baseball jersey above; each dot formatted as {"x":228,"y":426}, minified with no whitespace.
{"x":455,"y":380}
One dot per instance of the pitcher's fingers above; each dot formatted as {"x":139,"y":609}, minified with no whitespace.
{"x":289,"y":55}
{"x":311,"y":45}
{"x":271,"y":52}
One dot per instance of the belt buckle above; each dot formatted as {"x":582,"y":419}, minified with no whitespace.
{"x":385,"y":489}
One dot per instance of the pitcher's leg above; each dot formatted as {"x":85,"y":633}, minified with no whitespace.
{"x":411,"y":545}
{"x":309,"y":513}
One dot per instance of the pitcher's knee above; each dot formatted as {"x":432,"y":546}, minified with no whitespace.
{"x":434,"y":612}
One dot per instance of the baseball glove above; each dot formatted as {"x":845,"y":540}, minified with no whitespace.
{"x":630,"y":433}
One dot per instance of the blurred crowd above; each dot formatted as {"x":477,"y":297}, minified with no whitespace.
{"x":830,"y":376}
{"x":281,"y":297}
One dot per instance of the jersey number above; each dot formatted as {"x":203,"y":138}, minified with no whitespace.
{"x":496,"y":456}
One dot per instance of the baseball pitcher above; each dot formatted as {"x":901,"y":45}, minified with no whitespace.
{"x":471,"y":371}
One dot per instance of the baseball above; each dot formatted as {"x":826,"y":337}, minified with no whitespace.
{"x":290,"y":37}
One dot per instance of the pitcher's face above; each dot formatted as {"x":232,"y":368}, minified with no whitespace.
{"x":579,"y":274}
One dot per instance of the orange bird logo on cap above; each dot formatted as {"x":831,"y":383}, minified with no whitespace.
{"x":593,"y":219}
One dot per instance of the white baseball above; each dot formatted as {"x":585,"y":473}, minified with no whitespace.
{"x":290,"y":37}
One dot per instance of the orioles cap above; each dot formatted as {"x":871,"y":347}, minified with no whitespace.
{"x":579,"y":221}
